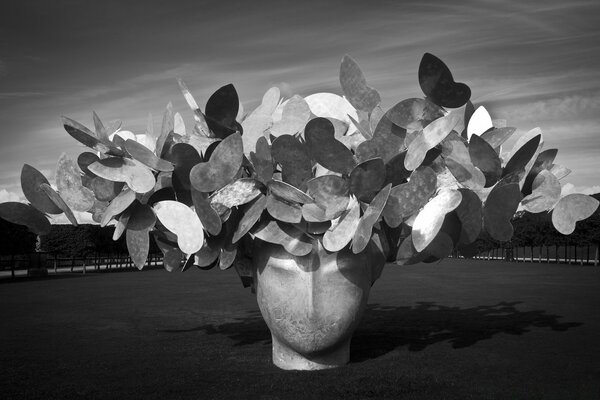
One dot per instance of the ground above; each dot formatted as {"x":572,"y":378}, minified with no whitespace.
{"x":453,"y":330}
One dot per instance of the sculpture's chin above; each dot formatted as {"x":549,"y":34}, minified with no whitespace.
{"x":312,"y":304}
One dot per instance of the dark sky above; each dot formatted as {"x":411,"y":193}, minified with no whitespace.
{"x":534,"y":63}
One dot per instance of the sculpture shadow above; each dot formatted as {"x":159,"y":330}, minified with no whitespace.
{"x":387,"y":328}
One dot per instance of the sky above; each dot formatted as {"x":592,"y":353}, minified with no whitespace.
{"x":534,"y":63}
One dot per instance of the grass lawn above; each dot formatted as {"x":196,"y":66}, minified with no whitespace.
{"x":454,"y":330}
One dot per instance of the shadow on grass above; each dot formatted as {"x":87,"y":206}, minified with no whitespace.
{"x":386,"y":328}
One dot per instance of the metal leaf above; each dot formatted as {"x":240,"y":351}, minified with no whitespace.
{"x":117,"y":206}
{"x":543,"y":161}
{"x":517,"y":163}
{"x":88,"y":138}
{"x":430,"y":137}
{"x":121,"y":225}
{"x":470,"y":214}
{"x":407,"y":198}
{"x":250,"y":216}
{"x":60,"y":203}
{"x":329,"y":105}
{"x":331,"y":193}
{"x":414,"y":114}
{"x":138,"y":177}
{"x":24,"y":214}
{"x":325,"y":149}
{"x":221,"y":168}
{"x":221,"y":110}
{"x":292,"y":239}
{"x":571,"y":209}
{"x":208,"y":216}
{"x":182,"y":221}
{"x":296,"y":167}
{"x":438,"y":84}
{"x":486,"y":159}
{"x":260,"y":120}
{"x":141,"y":217}
{"x":428,"y":222}
{"x":496,"y":137}
{"x":341,"y":232}
{"x":289,"y":193}
{"x":367,"y":178}
{"x":283,"y":210}
{"x":362,"y":236}
{"x":172,"y":256}
{"x":388,"y":142}
{"x":31,"y":179}
{"x":68,"y":182}
{"x":500,"y":206}
{"x":479,"y":122}
{"x":359,"y":94}
{"x":138,"y":245}
{"x":545,"y":193}
{"x":262,"y":160}
{"x":236,"y":193}
{"x":142,"y":154}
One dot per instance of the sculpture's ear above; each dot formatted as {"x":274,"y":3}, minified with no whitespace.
{"x":379,"y":250}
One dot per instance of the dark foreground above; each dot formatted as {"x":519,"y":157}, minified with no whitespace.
{"x":455,"y":330}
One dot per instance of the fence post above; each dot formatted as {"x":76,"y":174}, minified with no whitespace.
{"x":84,"y":265}
{"x":12,"y":265}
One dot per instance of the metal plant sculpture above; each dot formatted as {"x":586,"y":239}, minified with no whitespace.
{"x":415,"y":182}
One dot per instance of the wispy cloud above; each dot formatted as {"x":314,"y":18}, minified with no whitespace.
{"x":5,"y":195}
{"x":13,"y":95}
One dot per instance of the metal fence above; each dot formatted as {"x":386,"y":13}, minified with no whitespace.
{"x":574,"y":255}
{"x":43,"y":264}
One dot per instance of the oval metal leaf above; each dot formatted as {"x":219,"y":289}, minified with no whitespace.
{"x":294,"y":117}
{"x":221,"y":110}
{"x":60,"y":203}
{"x":24,"y":214}
{"x":282,"y":210}
{"x":315,"y":214}
{"x":388,"y":142}
{"x":414,"y":114}
{"x":121,"y":225}
{"x":182,"y":221}
{"x":262,"y":160}
{"x":141,"y":217}
{"x":209,"y":253}
{"x":470,"y":214}
{"x":296,"y":167}
{"x":543,"y":161}
{"x":141,"y":153}
{"x":292,"y":239}
{"x":359,"y":94}
{"x":138,"y":177}
{"x":221,"y":168}
{"x":117,"y":206}
{"x":288,"y":192}
{"x":31,"y":181}
{"x":486,"y":159}
{"x":88,"y":138}
{"x":496,"y":137}
{"x":407,"y":198}
{"x":138,"y":245}
{"x":172,"y":256}
{"x":517,"y":163}
{"x":250,"y":216}
{"x":331,"y":193}
{"x":236,"y":193}
{"x":68,"y":183}
{"x":325,"y":149}
{"x":571,"y":209}
{"x":342,"y":231}
{"x":430,"y":137}
{"x":545,"y":193}
{"x":362,"y":236}
{"x":85,"y":159}
{"x":329,"y":105}
{"x":500,"y":206}
{"x":479,"y":122}
{"x":367,"y":178}
{"x":438,"y":84}
{"x":105,"y":190}
{"x":259,"y":121}
{"x":208,"y":216}
{"x":227,"y":256}
{"x":430,"y":219}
